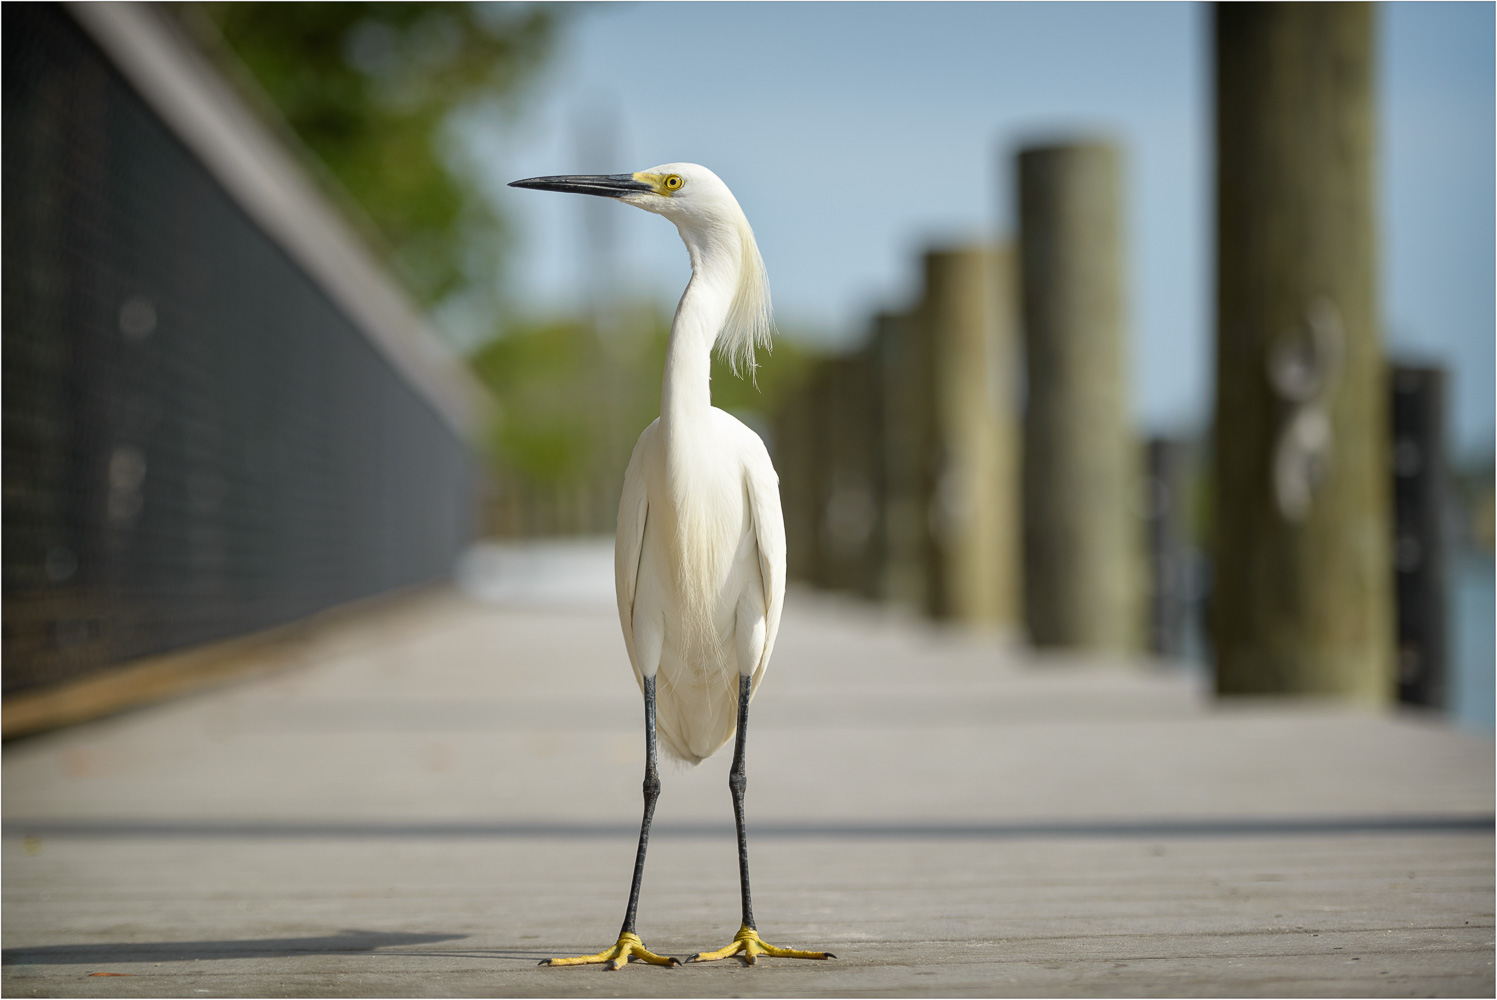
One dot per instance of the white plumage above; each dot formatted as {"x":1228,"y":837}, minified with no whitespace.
{"x":699,"y":561}
{"x":699,"y":557}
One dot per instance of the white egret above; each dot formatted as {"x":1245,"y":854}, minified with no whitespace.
{"x":699,"y":559}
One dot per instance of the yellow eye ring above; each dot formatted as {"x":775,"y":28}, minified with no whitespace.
{"x":673,"y":182}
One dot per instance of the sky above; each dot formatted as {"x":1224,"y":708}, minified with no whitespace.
{"x":856,"y":136}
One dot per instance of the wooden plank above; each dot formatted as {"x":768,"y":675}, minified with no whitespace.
{"x":367,"y":825}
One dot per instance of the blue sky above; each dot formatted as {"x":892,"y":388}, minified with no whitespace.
{"x":856,"y":136}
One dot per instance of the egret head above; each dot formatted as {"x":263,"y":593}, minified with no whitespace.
{"x":716,"y":233}
{"x":686,"y":193}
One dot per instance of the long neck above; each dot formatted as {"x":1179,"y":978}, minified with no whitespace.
{"x":685,"y":391}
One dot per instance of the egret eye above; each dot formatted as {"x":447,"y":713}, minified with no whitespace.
{"x":673,"y":182}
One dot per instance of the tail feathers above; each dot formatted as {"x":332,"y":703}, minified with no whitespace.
{"x":696,"y":711}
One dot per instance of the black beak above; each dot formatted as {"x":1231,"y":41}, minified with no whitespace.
{"x":606,"y":185}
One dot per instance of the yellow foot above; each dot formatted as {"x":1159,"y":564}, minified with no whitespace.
{"x":748,"y":945}
{"x":629,"y":948}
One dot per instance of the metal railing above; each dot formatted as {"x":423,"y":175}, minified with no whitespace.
{"x":199,"y":440}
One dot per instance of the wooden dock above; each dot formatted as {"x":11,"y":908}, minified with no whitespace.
{"x":427,"y":802}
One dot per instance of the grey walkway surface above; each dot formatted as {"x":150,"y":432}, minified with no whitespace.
{"x":433,"y":800}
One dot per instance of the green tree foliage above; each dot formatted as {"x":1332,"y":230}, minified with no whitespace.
{"x":370,"y":88}
{"x":545,"y":381}
{"x":373,"y":91}
{"x":572,"y":403}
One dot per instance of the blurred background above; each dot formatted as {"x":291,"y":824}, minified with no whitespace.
{"x":1132,"y":329}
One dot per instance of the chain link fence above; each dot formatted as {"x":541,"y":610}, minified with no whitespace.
{"x":197,"y":442}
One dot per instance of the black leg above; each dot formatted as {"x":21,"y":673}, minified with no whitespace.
{"x":738,"y":783}
{"x":652,"y":792}
{"x":747,"y":944}
{"x":629,"y":947}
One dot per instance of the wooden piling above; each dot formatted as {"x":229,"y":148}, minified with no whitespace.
{"x":1302,"y":527}
{"x":1167,"y":521}
{"x":903,"y":374}
{"x":849,"y":471}
{"x":793,"y":449}
{"x":966,"y":325}
{"x":1082,"y":537}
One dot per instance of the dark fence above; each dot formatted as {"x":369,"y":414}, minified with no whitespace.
{"x":1421,"y":502}
{"x":197,"y":442}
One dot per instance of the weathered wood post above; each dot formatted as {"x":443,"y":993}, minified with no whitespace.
{"x":1082,"y":538}
{"x":1167,"y":520}
{"x":903,"y":373}
{"x":794,"y":453}
{"x":1302,"y":601}
{"x":848,"y":401}
{"x":966,"y":325}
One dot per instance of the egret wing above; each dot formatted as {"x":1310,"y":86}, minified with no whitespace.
{"x":628,"y":543}
{"x":769,"y":534}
